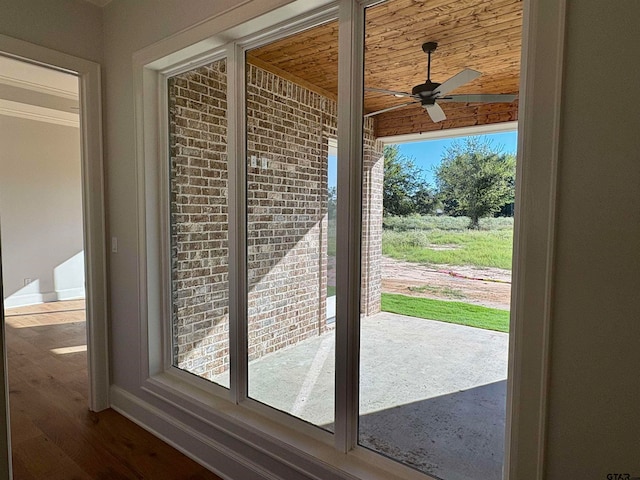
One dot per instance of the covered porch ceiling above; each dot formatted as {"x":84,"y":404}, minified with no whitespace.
{"x":484,"y":35}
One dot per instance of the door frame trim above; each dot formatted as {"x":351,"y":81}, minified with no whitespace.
{"x":539,"y":142}
{"x":89,"y":83}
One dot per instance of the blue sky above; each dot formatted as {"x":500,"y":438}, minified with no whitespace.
{"x":427,"y":154}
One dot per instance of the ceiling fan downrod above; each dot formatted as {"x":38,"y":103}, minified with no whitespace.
{"x":427,"y":48}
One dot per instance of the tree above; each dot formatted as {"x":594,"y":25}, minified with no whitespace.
{"x":332,"y":203}
{"x":424,"y":200}
{"x":405,"y":190}
{"x":475,"y":179}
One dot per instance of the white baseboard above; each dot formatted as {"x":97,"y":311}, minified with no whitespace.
{"x":70,"y":294}
{"x":215,"y":455}
{"x":26,"y":299}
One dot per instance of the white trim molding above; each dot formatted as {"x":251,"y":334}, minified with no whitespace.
{"x":93,"y":203}
{"x":214,"y":455}
{"x":349,"y":215}
{"x":5,"y":420}
{"x":37,"y":87}
{"x":534,"y":240}
{"x":38,"y":114}
{"x":451,"y":133}
{"x":35,"y":78}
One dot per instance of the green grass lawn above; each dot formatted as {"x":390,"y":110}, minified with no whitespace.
{"x":444,"y":240}
{"x":445,"y":311}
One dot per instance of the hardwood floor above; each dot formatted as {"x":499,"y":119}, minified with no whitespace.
{"x":53,"y":433}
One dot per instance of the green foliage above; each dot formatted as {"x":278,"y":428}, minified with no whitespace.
{"x":479,"y":248}
{"x":332,"y":203}
{"x":444,"y":222}
{"x":438,"y":240}
{"x":475,"y":179}
{"x":447,"y":311}
{"x":405,"y":190}
{"x":332,"y":212}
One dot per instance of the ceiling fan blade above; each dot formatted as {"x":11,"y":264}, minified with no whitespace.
{"x":459,"y":79}
{"x":435,"y":112}
{"x":389,"y":109}
{"x":390,"y":92}
{"x":480,"y":98}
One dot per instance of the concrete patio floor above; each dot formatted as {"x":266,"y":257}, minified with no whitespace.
{"x":432,"y":394}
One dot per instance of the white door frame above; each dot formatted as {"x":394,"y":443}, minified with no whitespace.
{"x":5,"y":430}
{"x":93,"y":204}
{"x":539,"y":134}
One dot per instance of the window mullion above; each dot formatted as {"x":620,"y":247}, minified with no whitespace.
{"x":165,"y":221}
{"x":350,"y":77}
{"x":237,"y":223}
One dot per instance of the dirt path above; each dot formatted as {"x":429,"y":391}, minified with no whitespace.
{"x":490,"y":287}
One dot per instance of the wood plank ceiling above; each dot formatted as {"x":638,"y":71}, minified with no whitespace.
{"x":484,"y":35}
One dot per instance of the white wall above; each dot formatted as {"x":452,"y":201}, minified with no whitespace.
{"x":69,"y":26}
{"x":594,"y":416}
{"x":40,"y":211}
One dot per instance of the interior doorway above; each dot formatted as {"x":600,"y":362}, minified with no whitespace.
{"x":42,"y":104}
{"x":40,"y":185}
{"x":43,"y":268}
{"x":90,"y":139}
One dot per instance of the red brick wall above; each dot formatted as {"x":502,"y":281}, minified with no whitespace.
{"x":372,"y":182}
{"x":286,"y":205}
{"x":288,"y":128}
{"x":199,"y":222}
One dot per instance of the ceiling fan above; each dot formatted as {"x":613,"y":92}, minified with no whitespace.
{"x":429,"y":93}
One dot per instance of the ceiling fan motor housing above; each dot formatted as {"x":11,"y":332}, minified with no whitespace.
{"x":425,"y":91}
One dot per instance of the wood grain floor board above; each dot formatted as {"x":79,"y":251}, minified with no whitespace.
{"x":54,"y":435}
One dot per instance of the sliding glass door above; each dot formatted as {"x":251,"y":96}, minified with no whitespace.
{"x":305,"y":247}
{"x":290,"y":124}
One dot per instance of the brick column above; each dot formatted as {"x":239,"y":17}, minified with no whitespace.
{"x":372,"y":183}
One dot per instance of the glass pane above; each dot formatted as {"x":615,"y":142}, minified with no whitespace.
{"x":199,"y":222}
{"x":437,"y":240}
{"x":291,"y":124}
